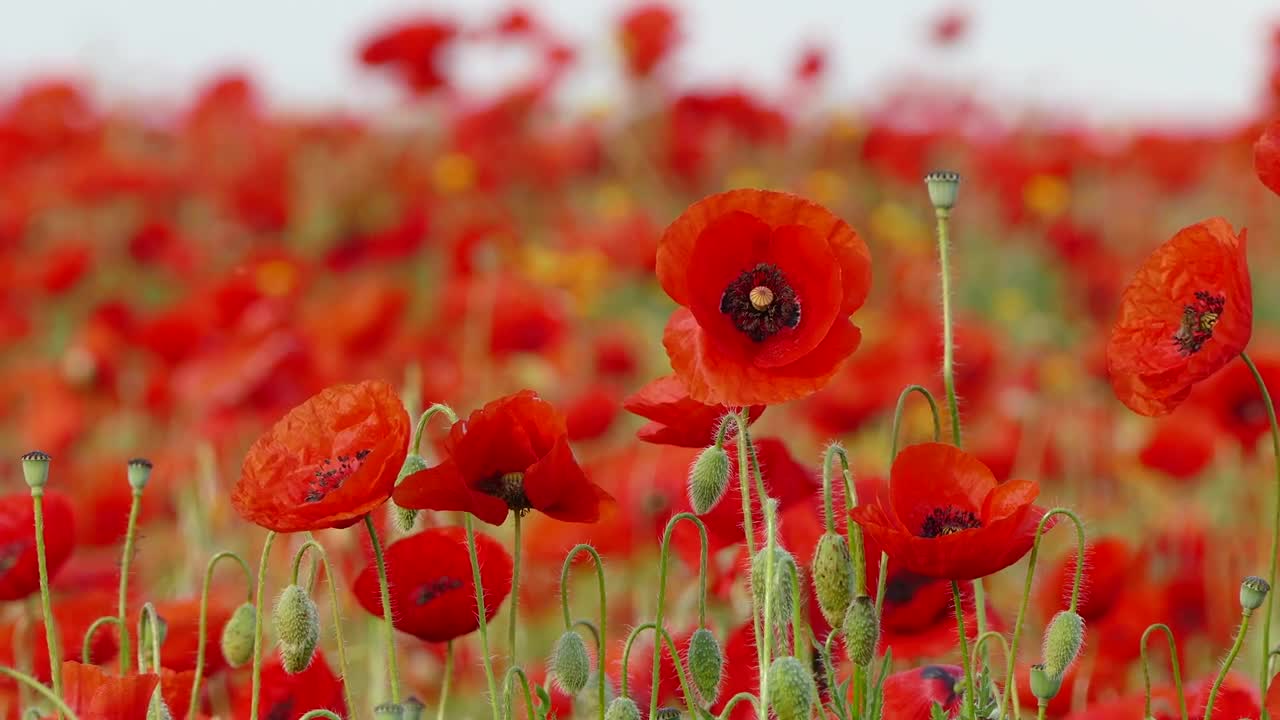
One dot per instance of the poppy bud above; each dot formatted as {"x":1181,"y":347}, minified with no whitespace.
{"x":156,"y":709}
{"x":706,"y":664}
{"x":413,"y":709}
{"x":783,"y":565}
{"x":1044,"y":685}
{"x":1062,"y":641}
{"x":35,"y":469}
{"x":388,"y":711}
{"x":861,"y":630}
{"x":297,"y":623}
{"x":570,"y":663}
{"x":623,"y":708}
{"x":139,"y":473}
{"x":708,"y":479}
{"x":943,"y":186}
{"x":790,"y":689}
{"x":237,"y":635}
{"x":1253,"y":590}
{"x":157,"y":625}
{"x":668,"y":713}
{"x":405,"y":517}
{"x":832,"y":571}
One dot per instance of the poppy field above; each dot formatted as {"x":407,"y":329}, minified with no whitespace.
{"x":714,"y":404}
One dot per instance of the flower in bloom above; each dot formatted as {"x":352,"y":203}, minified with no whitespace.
{"x":95,"y":694}
{"x":1182,"y":445}
{"x":511,"y":455}
{"x":1233,"y":399}
{"x":413,"y":51}
{"x":766,"y":281}
{"x":947,"y":517}
{"x":328,"y":462}
{"x":292,"y":695}
{"x":674,"y":417}
{"x":1186,"y":314}
{"x":19,"y":567}
{"x":436,"y":601}
{"x":910,"y":694}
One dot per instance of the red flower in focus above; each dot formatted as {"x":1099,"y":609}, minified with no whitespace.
{"x":328,"y":462}
{"x":647,"y":34}
{"x":512,"y":454}
{"x":436,"y":601}
{"x":911,"y":694}
{"x":286,"y":695}
{"x":1266,"y":156}
{"x":675,"y":418}
{"x":19,"y":567}
{"x":947,"y":518}
{"x":413,"y":52}
{"x":95,"y":695}
{"x":1186,"y":314}
{"x":767,"y":281}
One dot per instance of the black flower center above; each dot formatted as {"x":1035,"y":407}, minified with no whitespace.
{"x":901,"y":587}
{"x":949,"y":520}
{"x":950,"y":679}
{"x":331,"y":473}
{"x":434,"y":589}
{"x":280,"y":710}
{"x":510,"y":489}
{"x":761,"y":302}
{"x":1198,"y":321}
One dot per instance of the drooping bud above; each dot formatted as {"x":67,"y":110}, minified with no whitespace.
{"x":861,"y":630}
{"x":1253,"y":591}
{"x":706,"y":664}
{"x":413,"y":709}
{"x":388,"y":711}
{"x":622,"y":708}
{"x":156,"y":630}
{"x":1044,"y":685}
{"x":405,"y":517}
{"x":570,"y":662}
{"x":943,"y":186}
{"x":708,"y":479}
{"x":791,"y":689}
{"x":832,"y":571}
{"x":783,"y":597}
{"x":139,"y":473}
{"x":1062,"y":641}
{"x":157,"y":709}
{"x":35,"y":469}
{"x":297,"y":624}
{"x":237,"y":636}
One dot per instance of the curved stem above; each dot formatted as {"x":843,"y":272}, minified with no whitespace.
{"x":685,"y":687}
{"x":902,"y":406}
{"x":46,"y":604}
{"x":513,"y":610}
{"x":148,"y":619}
{"x":1264,"y":678}
{"x":204,"y":622}
{"x":380,"y":562}
{"x":979,"y":646}
{"x":516,"y":671}
{"x":52,"y":696}
{"x":727,"y":712}
{"x":970,"y":697}
{"x":122,"y":607}
{"x":853,"y":531}
{"x":337,"y":615}
{"x":481,"y":613}
{"x":1226,"y":665}
{"x":665,"y":556}
{"x":600,"y":635}
{"x":86,"y":648}
{"x":1146,"y":669}
{"x":257,"y":625}
{"x":436,"y":409}
{"x":444,"y":682}
{"x":327,"y":714}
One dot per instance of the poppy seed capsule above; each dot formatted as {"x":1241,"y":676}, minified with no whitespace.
{"x":139,"y":473}
{"x":623,"y":708}
{"x":413,"y":709}
{"x":832,"y":571}
{"x":861,"y":630}
{"x":388,"y":711}
{"x":706,"y":664}
{"x":570,"y":663}
{"x":668,"y":713}
{"x":783,"y":598}
{"x":1062,"y":641}
{"x":1043,"y":685}
{"x":297,"y":624}
{"x":708,"y":479}
{"x":237,"y":636}
{"x":35,"y":469}
{"x":790,"y":687}
{"x":944,"y":186}
{"x":1253,"y":590}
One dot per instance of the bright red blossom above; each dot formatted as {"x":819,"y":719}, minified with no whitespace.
{"x":675,"y":418}
{"x":19,"y":567}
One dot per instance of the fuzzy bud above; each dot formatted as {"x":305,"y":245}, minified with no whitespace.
{"x":708,"y":479}
{"x":35,"y":469}
{"x":297,"y":624}
{"x":790,"y":689}
{"x":388,"y":711}
{"x":405,"y":517}
{"x":1253,"y":590}
{"x":237,"y":636}
{"x":783,"y":597}
{"x":570,"y":662}
{"x":156,"y":709}
{"x":413,"y":709}
{"x":157,"y":627}
{"x":623,"y":708}
{"x":1062,"y":641}
{"x":861,"y":630}
{"x":943,"y":186}
{"x":706,"y":664}
{"x":832,"y":575}
{"x":1043,"y":684}
{"x":139,"y":473}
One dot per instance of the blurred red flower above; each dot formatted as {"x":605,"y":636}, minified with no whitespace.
{"x":291,"y":695}
{"x":412,"y":51}
{"x":648,"y":33}
{"x":1266,"y":156}
{"x":19,"y":568}
{"x":675,"y":418}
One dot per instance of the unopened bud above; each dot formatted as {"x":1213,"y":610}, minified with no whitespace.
{"x":1044,"y":685}
{"x":413,"y":709}
{"x":782,"y":596}
{"x":157,"y":709}
{"x":1062,"y":641}
{"x":139,"y":473}
{"x":861,"y":630}
{"x":1253,"y":590}
{"x":405,"y":517}
{"x":623,"y":708}
{"x":35,"y":469}
{"x":708,"y":479}
{"x":570,"y":663}
{"x":706,"y":664}
{"x":943,"y":186}
{"x":832,"y":571}
{"x":297,"y":624}
{"x":790,"y":689}
{"x":153,"y":632}
{"x":388,"y":711}
{"x":237,"y":636}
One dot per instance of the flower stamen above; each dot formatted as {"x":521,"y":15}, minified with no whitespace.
{"x":949,"y":520}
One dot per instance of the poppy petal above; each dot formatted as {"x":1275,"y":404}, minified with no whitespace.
{"x":929,"y":476}
{"x":558,"y":487}
{"x":442,"y":488}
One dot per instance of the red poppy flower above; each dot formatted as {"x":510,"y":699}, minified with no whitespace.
{"x":512,"y":454}
{"x":1183,"y":445}
{"x":413,"y":51}
{"x":290,"y":695}
{"x":1237,"y":698}
{"x":947,"y":517}
{"x":92,"y":693}
{"x":1232,"y":397}
{"x":19,"y":567}
{"x":768,"y":281}
{"x":73,"y":615}
{"x":911,"y":694}
{"x":676,"y":418}
{"x":328,"y":462}
{"x":436,"y":601}
{"x":1266,"y":156}
{"x":1109,"y":565}
{"x":590,"y":415}
{"x":648,"y":33}
{"x":1187,"y":313}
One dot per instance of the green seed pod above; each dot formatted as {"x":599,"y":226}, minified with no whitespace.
{"x":861,"y":630}
{"x":790,"y":689}
{"x":1253,"y":591}
{"x":1062,"y":641}
{"x":708,"y":479}
{"x":297,"y":624}
{"x":35,"y":469}
{"x":570,"y":662}
{"x":413,"y":709}
{"x":1043,"y":685}
{"x":832,"y":576}
{"x":237,"y":636}
{"x":783,"y":597}
{"x":668,"y":713}
{"x":623,"y":708}
{"x":943,"y":186}
{"x":706,"y":664}
{"x":156,"y":709}
{"x":388,"y":711}
{"x":139,"y":473}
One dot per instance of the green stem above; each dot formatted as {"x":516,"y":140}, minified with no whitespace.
{"x":86,"y":648}
{"x":741,"y":418}
{"x":853,"y":531}
{"x":902,"y":406}
{"x":327,"y":714}
{"x":685,"y":687}
{"x":515,"y":590}
{"x":1146,"y":670}
{"x":1226,"y":665}
{"x":204,"y":622}
{"x":948,"y":341}
{"x":481,"y":613}
{"x":337,"y":614}
{"x":444,"y":681}
{"x":1269,"y":612}
{"x":727,"y":712}
{"x":46,"y":604}
{"x":122,"y":606}
{"x":51,"y":695}
{"x":604,"y":610}
{"x":516,"y":671}
{"x":1040,"y":709}
{"x":979,"y":647}
{"x":257,"y":625}
{"x":436,"y":409}
{"x":380,"y":562}
{"x":970,"y":695}
{"x":771,"y":540}
{"x":148,"y":619}
{"x":664,"y":558}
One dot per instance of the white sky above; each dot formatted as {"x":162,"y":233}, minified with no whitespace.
{"x":1193,"y":60}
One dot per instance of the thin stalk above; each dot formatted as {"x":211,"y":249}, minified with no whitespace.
{"x":333,"y":602}
{"x":513,"y":620}
{"x":52,"y":696}
{"x":481,"y":613}
{"x":46,"y":604}
{"x":970,"y":696}
{"x":665,"y":555}
{"x":979,"y":648}
{"x":204,"y":622}
{"x":380,"y":562}
{"x":685,"y":687}
{"x":600,"y":633}
{"x":257,"y":625}
{"x":444,"y":681}
{"x":327,"y":714}
{"x":741,"y":418}
{"x":1226,"y":665}
{"x":853,"y":531}
{"x":771,"y":540}
{"x":1265,"y":678}
{"x":122,"y":606}
{"x":517,"y":672}
{"x":902,"y":406}
{"x":948,"y":341}
{"x":1146,"y":670}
